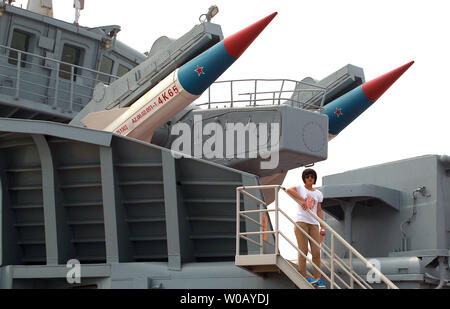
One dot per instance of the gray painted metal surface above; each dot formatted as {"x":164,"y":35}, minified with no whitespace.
{"x":302,"y":138}
{"x":417,"y":229}
{"x":106,"y":200}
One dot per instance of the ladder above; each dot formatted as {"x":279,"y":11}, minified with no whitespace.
{"x":336,"y":272}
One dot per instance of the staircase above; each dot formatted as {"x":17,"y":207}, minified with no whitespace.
{"x":265,"y":263}
{"x":266,"y":258}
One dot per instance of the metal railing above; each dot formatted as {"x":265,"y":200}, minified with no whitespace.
{"x":61,"y":85}
{"x":334,"y":265}
{"x":247,"y":92}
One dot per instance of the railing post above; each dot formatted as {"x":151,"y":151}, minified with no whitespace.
{"x":261,"y":229}
{"x":71,"y":88}
{"x":231,"y":89}
{"x":55,"y":103}
{"x":332,"y":261}
{"x":238,"y":208}
{"x":281,"y":91}
{"x":276,"y":222}
{"x":209,"y":97}
{"x":256,"y":85}
{"x":351,"y":268}
{"x":19,"y":62}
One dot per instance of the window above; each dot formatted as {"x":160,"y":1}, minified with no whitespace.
{"x":70,"y":55}
{"x":122,"y":70}
{"x":106,"y":66}
{"x":20,"y":41}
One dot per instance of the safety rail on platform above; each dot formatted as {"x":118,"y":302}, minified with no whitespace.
{"x":247,"y":92}
{"x":336,"y":264}
{"x":52,"y":82}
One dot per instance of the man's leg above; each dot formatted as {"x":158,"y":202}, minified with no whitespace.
{"x":315,"y":250}
{"x":302,"y":242}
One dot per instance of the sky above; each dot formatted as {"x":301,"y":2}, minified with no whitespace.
{"x":316,"y":38}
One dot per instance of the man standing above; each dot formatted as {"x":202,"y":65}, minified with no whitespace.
{"x":309,"y":198}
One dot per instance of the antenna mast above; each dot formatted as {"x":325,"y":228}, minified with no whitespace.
{"x":78,"y":5}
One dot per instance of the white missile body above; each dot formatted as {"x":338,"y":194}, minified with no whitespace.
{"x":147,"y":114}
{"x":179,"y":89}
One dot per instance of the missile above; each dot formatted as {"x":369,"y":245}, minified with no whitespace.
{"x":343,"y":110}
{"x":178,"y":89}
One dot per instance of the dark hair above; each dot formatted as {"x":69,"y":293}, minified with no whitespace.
{"x":307,"y":172}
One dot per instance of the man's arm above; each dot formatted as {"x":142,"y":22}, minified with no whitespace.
{"x":293,"y":192}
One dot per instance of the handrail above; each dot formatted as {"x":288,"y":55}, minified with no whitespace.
{"x":53,"y":60}
{"x":261,"y":98}
{"x":330,"y":252}
{"x":56,"y":83}
{"x":350,"y":247}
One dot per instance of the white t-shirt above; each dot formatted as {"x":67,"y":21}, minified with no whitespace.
{"x":301,"y":214}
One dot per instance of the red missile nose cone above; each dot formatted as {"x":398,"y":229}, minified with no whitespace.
{"x":376,"y":87}
{"x":237,"y":43}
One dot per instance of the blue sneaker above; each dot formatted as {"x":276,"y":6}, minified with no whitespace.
{"x":310,"y":280}
{"x":319,"y":284}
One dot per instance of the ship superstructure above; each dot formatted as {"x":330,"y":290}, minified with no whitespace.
{"x":134,"y":215}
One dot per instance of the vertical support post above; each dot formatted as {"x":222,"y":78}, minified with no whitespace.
{"x":71,"y":88}
{"x":238,"y":221}
{"x":281,"y":91}
{"x":171,"y":212}
{"x":6,"y":277}
{"x":209,"y":97}
{"x":55,"y":103}
{"x":19,"y":62}
{"x":53,"y":234}
{"x":261,"y":229}
{"x":109,"y":205}
{"x":332,"y":261}
{"x":347,"y":207}
{"x":179,"y":244}
{"x":351,"y":268}
{"x":117,"y":235}
{"x":256,"y":85}
{"x":10,"y":252}
{"x":231,"y":89}
{"x":277,"y":234}
{"x":2,"y":210}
